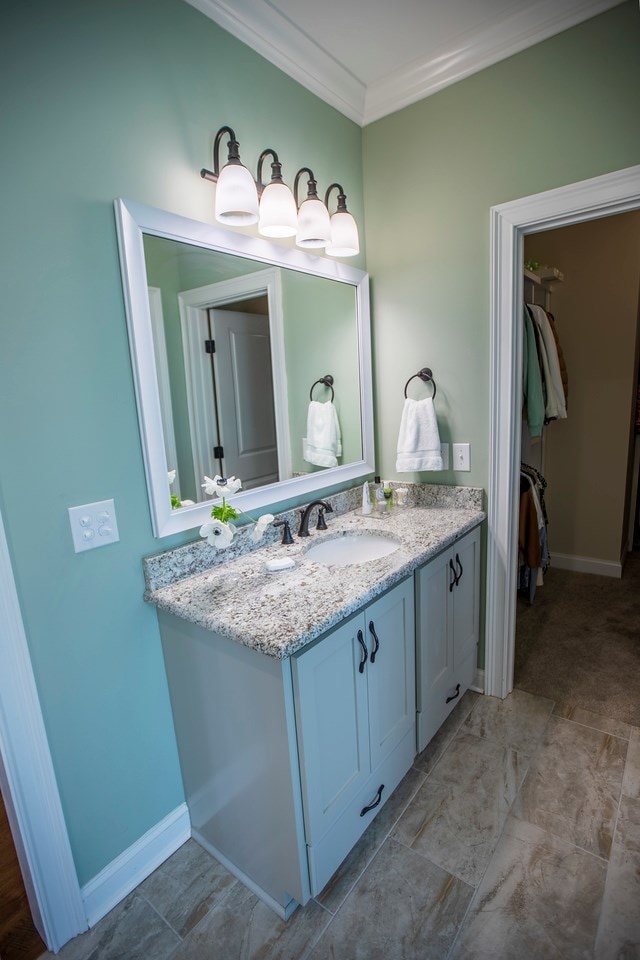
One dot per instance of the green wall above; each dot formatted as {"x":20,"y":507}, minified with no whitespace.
{"x":562,"y":111}
{"x":100,"y":101}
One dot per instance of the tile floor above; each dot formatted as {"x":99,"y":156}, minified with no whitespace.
{"x":516,"y":834}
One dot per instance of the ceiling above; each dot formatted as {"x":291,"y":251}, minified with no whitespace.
{"x":369,"y":58}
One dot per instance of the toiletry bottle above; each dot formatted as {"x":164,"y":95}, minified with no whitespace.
{"x":381,"y":503}
{"x":366,"y":500}
{"x":388,"y":493}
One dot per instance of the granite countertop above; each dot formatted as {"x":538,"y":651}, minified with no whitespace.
{"x":279,"y":613}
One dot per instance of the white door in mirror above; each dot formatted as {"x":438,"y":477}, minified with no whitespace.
{"x":93,"y":525}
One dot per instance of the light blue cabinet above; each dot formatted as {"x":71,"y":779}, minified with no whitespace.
{"x":354,"y":694}
{"x":447,"y":631}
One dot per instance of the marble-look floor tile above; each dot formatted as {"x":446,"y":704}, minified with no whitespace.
{"x":573,"y":786}
{"x":131,"y":931}
{"x":241,"y":927}
{"x":518,"y":722}
{"x":619,"y":931}
{"x":427,"y":760}
{"x":370,"y":842}
{"x":631,"y":779}
{"x":456,"y":817}
{"x":539,"y":899}
{"x":588,"y":719}
{"x":402,"y":908}
{"x":185,"y":887}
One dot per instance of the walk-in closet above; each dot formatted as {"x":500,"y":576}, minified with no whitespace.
{"x":578,"y":610}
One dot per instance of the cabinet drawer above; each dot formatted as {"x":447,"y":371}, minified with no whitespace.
{"x":326,"y":856}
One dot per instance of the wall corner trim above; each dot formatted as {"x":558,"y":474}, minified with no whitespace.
{"x":122,"y":875}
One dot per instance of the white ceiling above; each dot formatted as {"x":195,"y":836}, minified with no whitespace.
{"x":369,"y":58}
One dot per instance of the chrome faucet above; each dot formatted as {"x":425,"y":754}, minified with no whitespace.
{"x":303,"y":530}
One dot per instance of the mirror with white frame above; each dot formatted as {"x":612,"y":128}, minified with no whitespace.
{"x":228,"y":335}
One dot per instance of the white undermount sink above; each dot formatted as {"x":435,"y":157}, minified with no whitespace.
{"x":351,"y":548}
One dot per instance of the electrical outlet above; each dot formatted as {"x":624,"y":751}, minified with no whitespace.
{"x":93,"y":525}
{"x":461,"y":456}
{"x":444,"y":452}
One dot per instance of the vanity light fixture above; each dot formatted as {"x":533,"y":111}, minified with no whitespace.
{"x":241,"y":201}
{"x":278,"y":210}
{"x":236,"y":194}
{"x":314,"y":226}
{"x":344,"y":240}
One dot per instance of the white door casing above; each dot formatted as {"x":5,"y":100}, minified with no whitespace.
{"x":613,"y":193}
{"x":28,"y":780}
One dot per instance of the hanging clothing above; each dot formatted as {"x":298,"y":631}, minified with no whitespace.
{"x":556,"y":408}
{"x":563,"y":366}
{"x":532,"y":395}
{"x":533,"y":551}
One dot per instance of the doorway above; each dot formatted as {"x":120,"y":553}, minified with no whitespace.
{"x":589,"y":199}
{"x":576,"y":630}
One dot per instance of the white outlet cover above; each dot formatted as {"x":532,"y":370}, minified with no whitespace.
{"x":93,"y":525}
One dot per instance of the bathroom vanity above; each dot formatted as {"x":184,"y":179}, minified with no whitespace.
{"x":295,"y":695}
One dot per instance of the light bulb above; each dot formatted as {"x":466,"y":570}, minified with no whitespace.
{"x":236,"y":196}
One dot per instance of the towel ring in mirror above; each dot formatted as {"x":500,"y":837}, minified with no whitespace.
{"x":327,"y":381}
{"x":426,"y":376}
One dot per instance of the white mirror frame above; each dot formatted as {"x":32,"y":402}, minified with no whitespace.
{"x":133,"y":221}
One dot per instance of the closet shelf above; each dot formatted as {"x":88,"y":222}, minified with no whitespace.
{"x":544,"y":275}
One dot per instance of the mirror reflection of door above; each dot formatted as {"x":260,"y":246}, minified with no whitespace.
{"x":242,"y":393}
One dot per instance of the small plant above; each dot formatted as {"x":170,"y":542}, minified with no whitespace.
{"x":220,"y":530}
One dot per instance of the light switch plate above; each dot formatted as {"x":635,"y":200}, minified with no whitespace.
{"x":461,"y":456}
{"x":93,"y":525}
{"x":444,"y":452}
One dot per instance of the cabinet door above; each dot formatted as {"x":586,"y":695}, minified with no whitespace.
{"x":434,"y":585}
{"x":391,"y":669}
{"x":466,"y":601}
{"x":331,"y":703}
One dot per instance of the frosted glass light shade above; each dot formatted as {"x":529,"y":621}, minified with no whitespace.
{"x":344,"y":236}
{"x":314,"y":227}
{"x":278,"y":212}
{"x":236,"y":196}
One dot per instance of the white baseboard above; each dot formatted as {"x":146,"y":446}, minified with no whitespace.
{"x":123,"y":874}
{"x":478,"y":683}
{"x":603,"y":568}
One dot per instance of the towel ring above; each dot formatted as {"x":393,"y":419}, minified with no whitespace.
{"x":426,"y":376}
{"x":327,"y":382}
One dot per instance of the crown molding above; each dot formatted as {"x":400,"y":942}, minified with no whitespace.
{"x":272,"y":35}
{"x":473,"y":52}
{"x":280,"y":42}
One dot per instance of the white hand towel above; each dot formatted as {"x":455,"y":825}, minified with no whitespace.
{"x":323,"y":443}
{"x":418,"y":440}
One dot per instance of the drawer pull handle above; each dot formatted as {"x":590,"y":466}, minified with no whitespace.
{"x":375,"y":803}
{"x":365,"y":652}
{"x":453,"y":580}
{"x":459,"y":576}
{"x":372,"y":631}
{"x":454,"y":695}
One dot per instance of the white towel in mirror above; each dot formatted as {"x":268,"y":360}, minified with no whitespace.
{"x":419,"y":439}
{"x":323,"y":443}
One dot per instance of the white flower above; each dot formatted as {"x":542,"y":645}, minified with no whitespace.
{"x":171,"y":475}
{"x":221,"y":486}
{"x":218,"y":534}
{"x":261,"y":525}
